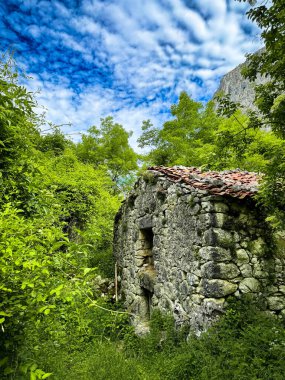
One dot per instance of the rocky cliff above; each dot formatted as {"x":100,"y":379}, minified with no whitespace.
{"x":240,"y":89}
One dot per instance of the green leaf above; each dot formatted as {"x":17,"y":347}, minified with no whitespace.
{"x":8,"y":370}
{"x":57,"y":245}
{"x":5,"y":314}
{"x":87,"y":270}
{"x":46,"y":375}
{"x":33,"y":367}
{"x":4,"y":361}
{"x":56,"y":290}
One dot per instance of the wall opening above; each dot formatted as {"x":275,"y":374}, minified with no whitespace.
{"x":146,"y":238}
{"x":147,"y":298}
{"x":146,"y":272}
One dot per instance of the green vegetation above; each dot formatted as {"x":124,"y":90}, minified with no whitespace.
{"x":56,"y":219}
{"x":109,"y":146}
{"x":245,"y":344}
{"x":197,"y":136}
{"x":270,"y":101}
{"x":58,"y":200}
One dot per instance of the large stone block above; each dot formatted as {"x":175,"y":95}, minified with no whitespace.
{"x":139,"y":261}
{"x":213,"y":304}
{"x":242,"y":256}
{"x":215,"y":207}
{"x":282,"y":289}
{"x":246,"y":270}
{"x":219,"y":237}
{"x":145,"y":222}
{"x":258,"y":271}
{"x":276,"y":302}
{"x":220,"y":220}
{"x":195,"y":209}
{"x":217,"y":288}
{"x":257,"y":247}
{"x":184,"y":289}
{"x":208,"y":220}
{"x":147,"y":279}
{"x":249,"y":285}
{"x":205,"y":221}
{"x":219,"y":270}
{"x":214,"y":254}
{"x":221,"y":207}
{"x":192,"y":279}
{"x":197,"y":298}
{"x":169,"y":289}
{"x":272,"y":289}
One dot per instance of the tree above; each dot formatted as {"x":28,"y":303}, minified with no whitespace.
{"x":198,"y":137}
{"x":270,"y":99}
{"x":238,"y":146}
{"x":109,"y":146}
{"x":19,"y":131}
{"x":18,"y":121}
{"x":183,"y":140}
{"x":54,"y":142}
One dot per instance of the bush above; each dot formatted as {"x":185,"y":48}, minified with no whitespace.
{"x":246,"y":344}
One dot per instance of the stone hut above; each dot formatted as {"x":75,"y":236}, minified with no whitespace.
{"x":186,"y":240}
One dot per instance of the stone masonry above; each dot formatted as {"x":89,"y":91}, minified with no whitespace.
{"x":185,"y":241}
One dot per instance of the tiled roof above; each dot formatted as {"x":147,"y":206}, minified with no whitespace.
{"x":235,"y":183}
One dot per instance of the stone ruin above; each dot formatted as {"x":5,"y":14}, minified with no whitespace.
{"x":186,"y":240}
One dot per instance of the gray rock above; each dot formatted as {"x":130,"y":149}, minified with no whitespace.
{"x":242,"y":256}
{"x":240,"y":89}
{"x":213,"y":304}
{"x":218,"y":288}
{"x":276,"y":303}
{"x":246,"y":270}
{"x":214,"y":254}
{"x":219,"y":270}
{"x":249,"y":285}
{"x":219,"y":237}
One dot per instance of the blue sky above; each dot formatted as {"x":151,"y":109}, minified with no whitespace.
{"x":125,"y":58}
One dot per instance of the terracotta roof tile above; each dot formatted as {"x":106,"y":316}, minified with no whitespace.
{"x":235,"y":183}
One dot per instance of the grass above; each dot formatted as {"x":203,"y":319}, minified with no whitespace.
{"x":247,"y":344}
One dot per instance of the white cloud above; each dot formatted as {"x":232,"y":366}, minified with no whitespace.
{"x":152,"y":46}
{"x":85,"y":24}
{"x":89,"y":107}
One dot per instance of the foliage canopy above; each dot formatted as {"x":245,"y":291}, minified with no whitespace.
{"x":270,"y":99}
{"x":198,"y":137}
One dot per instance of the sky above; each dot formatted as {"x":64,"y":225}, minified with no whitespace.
{"x":129,"y":59}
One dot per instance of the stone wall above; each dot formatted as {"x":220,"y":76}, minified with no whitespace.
{"x":180,"y":250}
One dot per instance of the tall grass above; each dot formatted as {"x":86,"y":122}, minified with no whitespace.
{"x":246,"y":344}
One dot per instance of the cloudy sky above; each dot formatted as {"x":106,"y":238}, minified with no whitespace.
{"x":125,"y":58}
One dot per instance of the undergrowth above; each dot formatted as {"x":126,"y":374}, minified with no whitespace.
{"x":246,"y":344}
